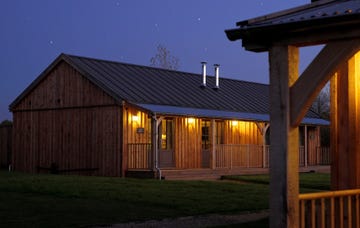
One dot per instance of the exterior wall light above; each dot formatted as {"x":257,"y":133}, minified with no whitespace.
{"x":191,"y":121}
{"x":234,"y":123}
{"x":135,"y":118}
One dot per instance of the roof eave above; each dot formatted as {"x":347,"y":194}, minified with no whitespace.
{"x":259,"y":38}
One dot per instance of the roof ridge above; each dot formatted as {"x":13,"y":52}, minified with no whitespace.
{"x":157,"y":68}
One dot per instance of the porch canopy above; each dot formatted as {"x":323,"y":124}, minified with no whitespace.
{"x":218,"y":114}
{"x":335,"y":23}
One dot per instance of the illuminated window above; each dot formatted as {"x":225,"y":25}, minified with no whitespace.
{"x":166,"y":131}
{"x":205,"y":130}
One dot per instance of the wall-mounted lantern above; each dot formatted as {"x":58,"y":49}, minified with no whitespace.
{"x":191,"y":121}
{"x":135,"y":119}
{"x":234,"y":123}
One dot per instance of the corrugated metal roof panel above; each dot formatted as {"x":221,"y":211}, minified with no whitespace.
{"x":314,"y":11}
{"x":317,"y":23}
{"x":139,"y":84}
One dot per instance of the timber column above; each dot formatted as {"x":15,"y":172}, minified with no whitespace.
{"x":284,"y":148}
{"x":345,"y":125}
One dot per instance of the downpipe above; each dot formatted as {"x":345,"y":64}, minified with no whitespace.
{"x":157,"y":167}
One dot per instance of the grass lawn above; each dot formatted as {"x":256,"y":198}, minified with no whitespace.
{"x":77,"y":201}
{"x":309,"y":182}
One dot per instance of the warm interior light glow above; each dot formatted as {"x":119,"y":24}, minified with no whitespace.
{"x":190,"y":120}
{"x":163,"y":136}
{"x":135,"y":118}
{"x":234,"y":123}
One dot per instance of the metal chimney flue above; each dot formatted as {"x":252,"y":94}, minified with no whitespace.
{"x":217,"y":69}
{"x":203,"y":74}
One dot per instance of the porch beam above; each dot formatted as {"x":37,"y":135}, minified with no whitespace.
{"x":313,"y":79}
{"x":284,"y":148}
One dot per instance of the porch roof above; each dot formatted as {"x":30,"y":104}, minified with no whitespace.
{"x":319,"y":22}
{"x":217,"y":114}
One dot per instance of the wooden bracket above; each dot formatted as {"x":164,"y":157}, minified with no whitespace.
{"x":313,"y":79}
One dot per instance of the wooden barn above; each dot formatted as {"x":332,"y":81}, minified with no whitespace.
{"x":95,"y":117}
{"x":5,"y":144}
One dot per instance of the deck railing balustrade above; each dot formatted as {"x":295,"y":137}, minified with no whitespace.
{"x":227,"y":156}
{"x":257,"y":156}
{"x":330,"y":209}
{"x":139,"y":155}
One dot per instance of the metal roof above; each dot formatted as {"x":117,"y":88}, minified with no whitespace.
{"x":309,"y":12}
{"x":195,"y":112}
{"x":318,"y":22}
{"x":148,"y":85}
{"x":171,"y":92}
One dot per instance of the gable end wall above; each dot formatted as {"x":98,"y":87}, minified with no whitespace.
{"x":69,"y":121}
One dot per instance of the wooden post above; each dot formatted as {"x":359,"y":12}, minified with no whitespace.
{"x":264,"y":130}
{"x":154,"y":138}
{"x":214,"y":144}
{"x":345,"y":126}
{"x":284,"y":154}
{"x":306,"y":146}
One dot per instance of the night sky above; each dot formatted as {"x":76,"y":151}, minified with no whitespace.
{"x":34,"y":33}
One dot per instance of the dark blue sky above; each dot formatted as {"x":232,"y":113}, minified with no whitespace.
{"x":34,"y":33}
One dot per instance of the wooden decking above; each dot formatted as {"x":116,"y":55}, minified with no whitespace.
{"x":213,"y":174}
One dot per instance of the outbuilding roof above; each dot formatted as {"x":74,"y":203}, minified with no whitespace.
{"x":319,"y":22}
{"x":172,"y":92}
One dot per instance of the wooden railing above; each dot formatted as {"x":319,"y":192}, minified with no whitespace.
{"x":237,"y":155}
{"x":139,"y":156}
{"x":323,"y":155}
{"x":226,"y":156}
{"x":330,"y":209}
{"x":256,"y":156}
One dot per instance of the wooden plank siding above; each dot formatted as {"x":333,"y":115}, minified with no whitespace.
{"x":5,"y":145}
{"x":69,"y":121}
{"x":136,"y":132}
{"x":313,"y":143}
{"x":187,"y":138}
{"x":187,"y":143}
{"x":242,"y":132}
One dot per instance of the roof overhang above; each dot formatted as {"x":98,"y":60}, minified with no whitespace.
{"x":316,"y":23}
{"x":217,"y":114}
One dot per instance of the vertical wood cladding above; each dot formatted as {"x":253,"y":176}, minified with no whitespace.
{"x":5,"y":145}
{"x":68,"y":121}
{"x":313,"y":142}
{"x":187,"y":136}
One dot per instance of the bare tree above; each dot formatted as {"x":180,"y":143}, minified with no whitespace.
{"x":321,"y":104}
{"x":164,"y":59}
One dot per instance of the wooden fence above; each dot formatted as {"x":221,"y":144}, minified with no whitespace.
{"x":5,"y":145}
